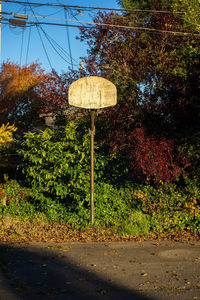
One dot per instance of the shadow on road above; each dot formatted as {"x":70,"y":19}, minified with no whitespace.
{"x":39,"y":273}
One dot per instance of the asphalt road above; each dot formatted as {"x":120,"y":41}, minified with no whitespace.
{"x":116,"y":270}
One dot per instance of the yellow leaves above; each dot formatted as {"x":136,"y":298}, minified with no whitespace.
{"x":6,"y":133}
{"x":193,"y":208}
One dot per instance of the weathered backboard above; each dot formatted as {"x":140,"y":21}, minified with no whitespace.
{"x":92,"y":92}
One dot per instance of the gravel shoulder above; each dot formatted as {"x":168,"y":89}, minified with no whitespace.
{"x":97,"y":270}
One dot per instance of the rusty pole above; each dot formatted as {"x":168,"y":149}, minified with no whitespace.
{"x":92,"y":133}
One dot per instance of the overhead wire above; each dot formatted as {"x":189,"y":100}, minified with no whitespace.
{"x":134,"y":28}
{"x":107,"y":25}
{"x":52,"y":42}
{"x":49,"y":40}
{"x":68,"y":37}
{"x":54,"y":13}
{"x":29,"y":38}
{"x":41,"y":37}
{"x":22,"y":43}
{"x":44,"y":48}
{"x":67,"y":8}
{"x":75,"y":7}
{"x":60,"y":47}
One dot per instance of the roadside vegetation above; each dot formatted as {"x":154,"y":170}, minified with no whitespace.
{"x":147,"y":148}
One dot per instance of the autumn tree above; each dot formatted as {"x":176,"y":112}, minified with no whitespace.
{"x":54,"y":90}
{"x":19,"y":98}
{"x":157,"y":75}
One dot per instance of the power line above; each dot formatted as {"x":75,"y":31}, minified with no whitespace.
{"x":68,"y":38}
{"x":21,"y":47}
{"x":134,"y":28}
{"x":108,"y":25}
{"x":75,"y":7}
{"x":41,"y":37}
{"x":60,"y":47}
{"x":50,"y":40}
{"x":31,"y":23}
{"x":51,"y":43}
{"x":44,"y":48}
{"x":29,"y":38}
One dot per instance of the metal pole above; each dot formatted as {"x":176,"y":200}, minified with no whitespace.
{"x":92,"y":133}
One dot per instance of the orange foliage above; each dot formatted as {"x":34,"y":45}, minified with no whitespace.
{"x":16,"y":79}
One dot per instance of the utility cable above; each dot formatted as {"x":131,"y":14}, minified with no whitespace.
{"x":60,"y":47}
{"x":134,"y":28}
{"x":53,"y":45}
{"x":22,"y":43}
{"x":32,"y":23}
{"x":68,"y":39}
{"x":44,"y":47}
{"x":41,"y":38}
{"x":75,"y":7}
{"x":29,"y":38}
{"x":110,"y":25}
{"x":54,"y":13}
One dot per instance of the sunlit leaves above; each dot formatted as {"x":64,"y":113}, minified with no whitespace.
{"x":6,"y":132}
{"x":16,"y":79}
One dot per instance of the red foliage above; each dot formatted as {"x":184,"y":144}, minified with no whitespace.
{"x":153,"y":157}
{"x":54,"y":91}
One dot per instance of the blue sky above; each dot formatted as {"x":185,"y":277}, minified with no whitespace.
{"x":23,"y":45}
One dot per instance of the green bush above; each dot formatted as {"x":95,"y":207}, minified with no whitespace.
{"x":130,"y":210}
{"x":111,"y":207}
{"x":136,"y":223}
{"x":56,"y":162}
{"x":15,"y":200}
{"x":171,"y":207}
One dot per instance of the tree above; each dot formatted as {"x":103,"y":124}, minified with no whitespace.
{"x":190,"y":9}
{"x":54,"y":91}
{"x":158,"y":80}
{"x":19,"y":99}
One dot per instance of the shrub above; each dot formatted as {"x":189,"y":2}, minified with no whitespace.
{"x":170,"y":207}
{"x":16,"y":200}
{"x":114,"y":208}
{"x":136,"y":223}
{"x":56,"y":162}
